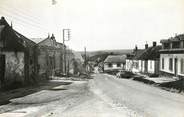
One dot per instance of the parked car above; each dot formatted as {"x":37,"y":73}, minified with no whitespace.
{"x":124,"y":74}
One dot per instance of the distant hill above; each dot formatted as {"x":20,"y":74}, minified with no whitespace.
{"x":102,"y":54}
{"x":117,"y":52}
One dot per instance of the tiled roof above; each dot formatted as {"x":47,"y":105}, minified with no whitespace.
{"x":152,"y":53}
{"x":14,"y":40}
{"x":37,"y":40}
{"x":27,"y":41}
{"x":137,"y":54}
{"x":115,"y":59}
{"x":171,"y":39}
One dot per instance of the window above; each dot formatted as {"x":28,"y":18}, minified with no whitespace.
{"x":182,"y":66}
{"x":31,"y":61}
{"x":118,"y":65}
{"x":162,"y":63}
{"x":110,"y":65}
{"x":176,"y":45}
{"x":150,"y":64}
{"x":166,"y":45}
{"x":136,"y":65}
{"x":182,"y":44}
{"x":171,"y":64}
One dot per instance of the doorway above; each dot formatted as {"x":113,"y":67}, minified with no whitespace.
{"x":176,"y":66}
{"x":2,"y":68}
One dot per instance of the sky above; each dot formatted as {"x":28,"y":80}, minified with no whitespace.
{"x":97,"y":24}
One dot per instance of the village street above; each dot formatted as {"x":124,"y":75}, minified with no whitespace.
{"x":102,"y":96}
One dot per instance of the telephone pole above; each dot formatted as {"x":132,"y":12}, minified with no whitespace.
{"x":85,"y":60}
{"x":66,"y":37}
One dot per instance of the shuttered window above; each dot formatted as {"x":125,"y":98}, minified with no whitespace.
{"x":182,"y":66}
{"x":162,"y":63}
{"x":118,"y":64}
{"x":171,"y":64}
{"x":110,"y":65}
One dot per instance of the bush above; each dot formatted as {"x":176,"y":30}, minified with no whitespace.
{"x":153,"y":75}
{"x":174,"y":84}
{"x":142,"y":79}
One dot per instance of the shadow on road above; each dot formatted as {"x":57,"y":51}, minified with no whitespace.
{"x":5,"y":96}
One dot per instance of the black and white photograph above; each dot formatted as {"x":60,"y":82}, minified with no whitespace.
{"x":91,"y":58}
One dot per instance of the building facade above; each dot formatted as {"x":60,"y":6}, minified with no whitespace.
{"x":50,"y":57}
{"x":149,"y":60}
{"x":133,"y":64}
{"x":172,"y":56}
{"x":114,"y":63}
{"x":18,"y":59}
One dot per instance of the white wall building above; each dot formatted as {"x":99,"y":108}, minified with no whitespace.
{"x":114,"y":62}
{"x":172,"y":56}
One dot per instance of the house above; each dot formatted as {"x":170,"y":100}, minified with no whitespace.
{"x":114,"y":63}
{"x":56,"y":58}
{"x":132,"y":61}
{"x":149,"y":60}
{"x":18,"y":59}
{"x":172,"y":56}
{"x":50,"y":57}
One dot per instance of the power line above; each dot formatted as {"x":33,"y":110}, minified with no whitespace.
{"x":20,"y":10}
{"x":28,"y":21}
{"x":20,"y":14}
{"x":25,"y":24}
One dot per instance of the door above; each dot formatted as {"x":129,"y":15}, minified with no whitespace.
{"x":2,"y":68}
{"x":146,"y":66}
{"x":176,"y":66}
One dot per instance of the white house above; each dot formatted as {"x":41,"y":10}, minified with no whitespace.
{"x":133,"y":63}
{"x":144,"y":61}
{"x":149,"y":60}
{"x":172,"y":56}
{"x":114,"y":63}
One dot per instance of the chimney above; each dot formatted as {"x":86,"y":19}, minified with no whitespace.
{"x":146,"y":46}
{"x":52,"y":37}
{"x":136,"y":48}
{"x":154,"y":43}
{"x":2,"y":18}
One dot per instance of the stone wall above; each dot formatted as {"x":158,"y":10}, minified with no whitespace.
{"x":14,"y":67}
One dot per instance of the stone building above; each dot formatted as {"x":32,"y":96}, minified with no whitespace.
{"x":18,"y":59}
{"x":50,"y":57}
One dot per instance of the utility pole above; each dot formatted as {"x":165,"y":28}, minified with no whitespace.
{"x":66,"y":37}
{"x":85,"y":58}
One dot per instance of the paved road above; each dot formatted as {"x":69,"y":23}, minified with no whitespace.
{"x":103,"y":96}
{"x":143,"y":99}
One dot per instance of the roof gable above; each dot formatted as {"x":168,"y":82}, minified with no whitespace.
{"x":13,"y":40}
{"x":152,"y":53}
{"x":115,"y":59}
{"x":137,"y":54}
